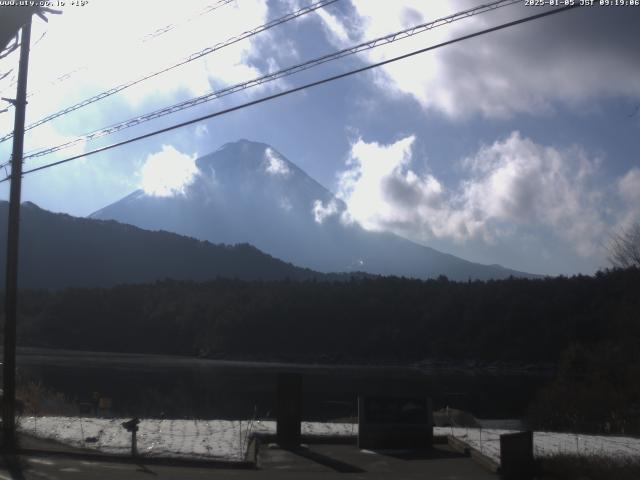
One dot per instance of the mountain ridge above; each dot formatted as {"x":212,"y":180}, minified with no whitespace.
{"x":58,"y":251}
{"x":249,"y":192}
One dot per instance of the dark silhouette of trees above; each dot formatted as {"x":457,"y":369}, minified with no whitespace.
{"x":596,"y":390}
{"x":589,"y":325}
{"x":366,"y":319}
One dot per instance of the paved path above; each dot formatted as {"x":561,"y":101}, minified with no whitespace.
{"x":333,"y":461}
{"x":314,"y":462}
{"x":58,"y":468}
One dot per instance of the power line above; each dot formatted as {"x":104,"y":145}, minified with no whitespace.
{"x":171,"y":26}
{"x":5,"y":75}
{"x":149,"y":36}
{"x":8,"y":50}
{"x":368,"y":45}
{"x":190,"y":58}
{"x":303,"y":87}
{"x":13,"y":80}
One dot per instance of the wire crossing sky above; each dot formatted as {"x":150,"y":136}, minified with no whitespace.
{"x":145,"y":38}
{"x":190,"y":58}
{"x":300,"y":88}
{"x":171,"y":26}
{"x":507,"y":149}
{"x":390,"y":38}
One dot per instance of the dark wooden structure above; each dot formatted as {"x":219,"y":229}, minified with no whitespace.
{"x":289,"y":409}
{"x":516,"y":455}
{"x":391,"y":422}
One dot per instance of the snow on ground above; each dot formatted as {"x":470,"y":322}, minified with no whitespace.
{"x":487,"y":441}
{"x":222,"y":439}
{"x":228,"y":439}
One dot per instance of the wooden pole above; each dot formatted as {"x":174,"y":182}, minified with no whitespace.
{"x":11,"y":285}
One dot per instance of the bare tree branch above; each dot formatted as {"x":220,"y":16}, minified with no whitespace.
{"x":624,"y":247}
{"x":10,"y":48}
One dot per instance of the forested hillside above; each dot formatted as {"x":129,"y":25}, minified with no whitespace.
{"x":58,"y":251}
{"x":377,"y":319}
{"x":588,"y":326}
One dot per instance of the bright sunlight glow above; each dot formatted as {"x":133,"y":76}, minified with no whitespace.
{"x":168,"y":172}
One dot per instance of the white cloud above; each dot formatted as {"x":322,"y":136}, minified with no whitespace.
{"x":530,"y":68}
{"x":168,"y":172}
{"x":519,"y":181}
{"x":371,"y":165}
{"x":334,"y":26}
{"x":47,"y":135}
{"x":274,"y":165}
{"x":321,"y":212}
{"x":512,"y":185}
{"x":628,"y":188}
{"x":188,"y":37}
{"x":84,"y":37}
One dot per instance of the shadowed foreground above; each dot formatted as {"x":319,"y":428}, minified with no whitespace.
{"x":315,"y":461}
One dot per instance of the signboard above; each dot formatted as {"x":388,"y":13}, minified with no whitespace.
{"x":394,"y":422}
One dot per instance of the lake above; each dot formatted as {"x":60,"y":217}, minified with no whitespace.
{"x":183,"y":387}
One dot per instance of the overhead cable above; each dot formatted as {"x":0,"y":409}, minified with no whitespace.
{"x":194,"y":56}
{"x":302,"y":87}
{"x":368,"y":45}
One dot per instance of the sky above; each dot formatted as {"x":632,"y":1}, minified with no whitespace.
{"x":518,"y":147}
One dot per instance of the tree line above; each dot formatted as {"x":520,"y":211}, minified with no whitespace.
{"x":377,"y":319}
{"x":587,"y":325}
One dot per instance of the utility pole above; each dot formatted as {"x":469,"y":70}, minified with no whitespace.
{"x":11,"y":285}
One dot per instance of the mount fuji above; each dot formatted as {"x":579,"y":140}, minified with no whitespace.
{"x":247,"y":192}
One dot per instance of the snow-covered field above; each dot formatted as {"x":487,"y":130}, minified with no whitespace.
{"x":228,"y":439}
{"x":487,"y":441}
{"x":221,"y":439}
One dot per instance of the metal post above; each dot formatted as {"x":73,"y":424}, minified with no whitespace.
{"x":132,"y":426}
{"x":11,"y":285}
{"x":134,"y":442}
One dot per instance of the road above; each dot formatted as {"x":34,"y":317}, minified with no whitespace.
{"x":315,"y":462}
